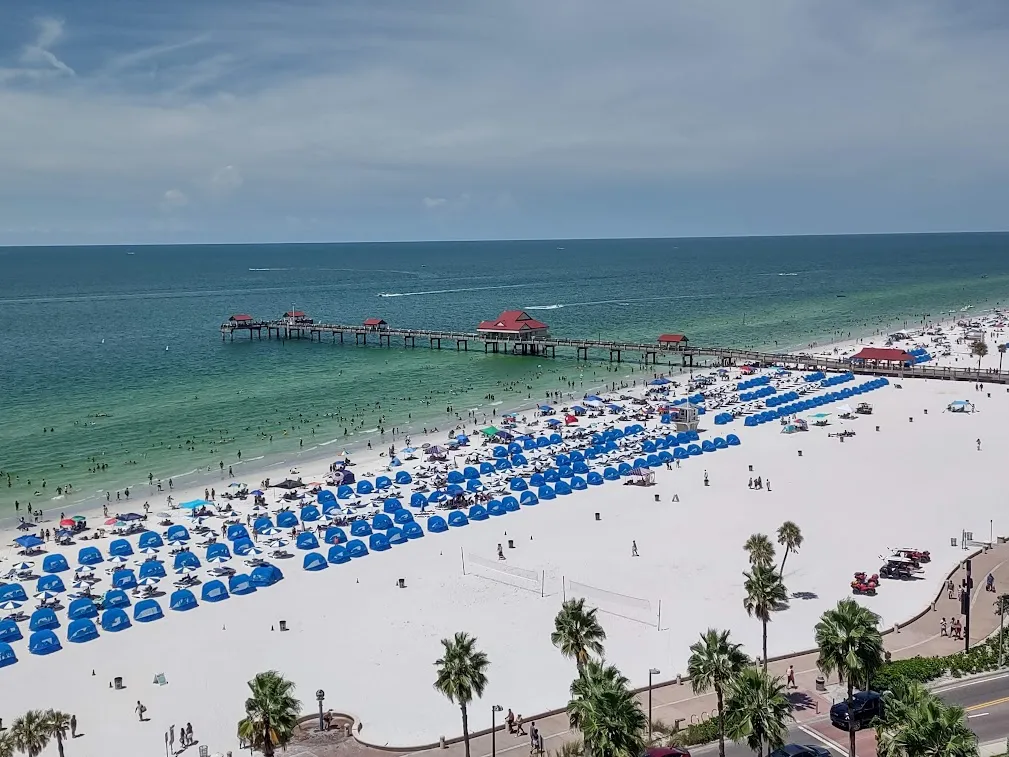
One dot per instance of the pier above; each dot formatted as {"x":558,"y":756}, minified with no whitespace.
{"x":516,"y":333}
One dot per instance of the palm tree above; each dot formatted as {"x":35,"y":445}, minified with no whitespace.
{"x":58,"y":725}
{"x":271,"y":713}
{"x":757,"y":710}
{"x":30,"y":734}
{"x":850,"y":643}
{"x":916,"y":722}
{"x":606,"y":712}
{"x":577,"y":632}
{"x":765,"y":592}
{"x":979,"y":349}
{"x":7,"y":747}
{"x":760,"y":548}
{"x":461,"y":675}
{"x":1001,"y":352}
{"x":715,"y":662}
{"x":789,"y":537}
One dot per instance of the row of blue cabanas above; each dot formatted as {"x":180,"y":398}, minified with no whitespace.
{"x":809,"y":378}
{"x":920,"y":355}
{"x":753,"y":382}
{"x":813,"y":402}
{"x":842,"y":378}
{"x":781,"y":399}
{"x":759,"y":394}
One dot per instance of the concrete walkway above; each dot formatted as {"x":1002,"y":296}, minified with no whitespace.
{"x":672,"y":702}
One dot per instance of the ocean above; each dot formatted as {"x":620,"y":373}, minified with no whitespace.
{"x":113,"y":368}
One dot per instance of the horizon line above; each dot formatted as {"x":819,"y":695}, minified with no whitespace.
{"x":991,"y":232}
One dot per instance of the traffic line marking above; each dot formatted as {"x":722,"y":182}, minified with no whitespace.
{"x":823,"y":739}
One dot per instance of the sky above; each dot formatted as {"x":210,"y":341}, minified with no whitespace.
{"x":127,"y":122}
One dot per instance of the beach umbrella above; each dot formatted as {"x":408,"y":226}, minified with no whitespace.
{"x":84,"y":570}
{"x":185,"y":569}
{"x":118,"y":559}
{"x":278,"y":543}
{"x":176,"y":543}
{"x":23,"y":566}
{"x":68,"y":522}
{"x":10,"y":605}
{"x":81,"y":585}
{"x":149,"y":581}
{"x":111,"y":521}
{"x":272,"y":531}
{"x":45,"y":595}
{"x":254,"y":551}
{"x":149,"y":551}
{"x":219,"y":558}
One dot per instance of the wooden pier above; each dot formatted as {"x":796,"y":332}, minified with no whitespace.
{"x":295,"y":325}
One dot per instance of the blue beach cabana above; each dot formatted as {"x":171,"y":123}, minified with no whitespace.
{"x":402,"y":517}
{"x":115,"y":619}
{"x":510,"y":504}
{"x":82,"y":607}
{"x":335,"y":535}
{"x":314,"y":561}
{"x":7,"y":656}
{"x":287,"y":519}
{"x":186,"y":560}
{"x":266,"y":575}
{"x":356,"y":548}
{"x":214,"y":591}
{"x":120,"y":548}
{"x":51,"y":583}
{"x":55,"y":563}
{"x":402,"y":477}
{"x":150,"y":540}
{"x":240,"y":584}
{"x":9,"y":631}
{"x":177,"y":533}
{"x":43,"y":619}
{"x":381,"y":522}
{"x":124,"y":579}
{"x":89,"y":556}
{"x":182,"y":600}
{"x":392,"y":506}
{"x":378,"y":542}
{"x":436,"y":524}
{"x":81,"y":630}
{"x":147,"y":610}
{"x":457,"y":518}
{"x":243,"y":546}
{"x":262,"y":523}
{"x":360,"y":528}
{"x":338,"y":554}
{"x":218,"y":551}
{"x":528,"y":499}
{"x":310,"y":514}
{"x":307,"y":540}
{"x":237,"y":531}
{"x":413,"y":530}
{"x":13,"y":593}
{"x":43,"y":643}
{"x":116,"y":598}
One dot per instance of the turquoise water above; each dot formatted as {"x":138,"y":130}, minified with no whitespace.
{"x":120,"y":353}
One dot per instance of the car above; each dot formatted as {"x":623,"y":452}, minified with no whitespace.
{"x":800,"y":750}
{"x":866,"y":705}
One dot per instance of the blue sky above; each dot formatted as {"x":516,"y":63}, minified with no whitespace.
{"x":133,"y":122}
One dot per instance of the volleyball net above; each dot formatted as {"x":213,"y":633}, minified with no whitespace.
{"x":503,"y":572}
{"x":615,"y":603}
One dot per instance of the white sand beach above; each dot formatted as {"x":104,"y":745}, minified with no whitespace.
{"x":919,"y":481}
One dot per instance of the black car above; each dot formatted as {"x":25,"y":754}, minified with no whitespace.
{"x":800,"y":750}
{"x":866,"y":705}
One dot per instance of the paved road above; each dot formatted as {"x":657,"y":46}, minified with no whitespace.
{"x":986,"y":701}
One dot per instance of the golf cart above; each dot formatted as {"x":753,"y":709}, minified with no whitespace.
{"x":899,"y":568}
{"x":916,"y":555}
{"x":864,"y":408}
{"x":863,"y":584}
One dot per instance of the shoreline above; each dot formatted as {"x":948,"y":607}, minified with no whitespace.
{"x":90,"y":504}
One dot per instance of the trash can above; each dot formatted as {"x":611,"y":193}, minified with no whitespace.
{"x":118,"y":682}
{"x":821,"y":683}
{"x":283,"y":625}
{"x":401,"y":583}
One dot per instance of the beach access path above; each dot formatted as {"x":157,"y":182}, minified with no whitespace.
{"x":673,"y":702}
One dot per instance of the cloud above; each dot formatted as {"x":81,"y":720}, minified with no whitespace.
{"x":648,"y":118}
{"x":226,"y":180}
{"x":37,"y":58}
{"x":173,"y":199}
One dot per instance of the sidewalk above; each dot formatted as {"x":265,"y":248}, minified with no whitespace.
{"x":672,"y":702}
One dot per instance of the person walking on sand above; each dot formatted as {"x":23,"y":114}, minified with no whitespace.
{"x":73,"y":726}
{"x":978,"y":445}
{"x":790,"y":678}
{"x":189,"y":734}
{"x":942,"y":627}
{"x":171,"y":738}
{"x":140,"y":710}
{"x":705,"y":478}
{"x":634,"y":548}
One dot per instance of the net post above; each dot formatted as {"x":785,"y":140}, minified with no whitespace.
{"x":462,"y":557}
{"x":543,"y":582}
{"x":564,"y":589}
{"x":658,"y":625}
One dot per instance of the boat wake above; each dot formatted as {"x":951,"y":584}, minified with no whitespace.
{"x":544,"y":307}
{"x":451,"y":291}
{"x":269,"y":269}
{"x":788,"y":274}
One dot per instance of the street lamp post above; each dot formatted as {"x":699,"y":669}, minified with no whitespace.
{"x":651,"y":673}
{"x":320,"y":695}
{"x":493,"y":729}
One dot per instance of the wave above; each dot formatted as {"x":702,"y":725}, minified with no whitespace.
{"x":544,"y":307}
{"x":625,"y":302}
{"x":788,"y":274}
{"x":451,"y":291}
{"x":269,"y":269}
